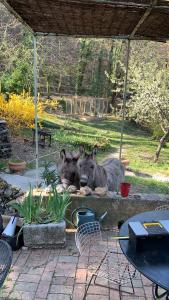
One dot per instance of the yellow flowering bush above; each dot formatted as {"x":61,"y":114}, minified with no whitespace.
{"x":18,"y":111}
{"x":50,"y":105}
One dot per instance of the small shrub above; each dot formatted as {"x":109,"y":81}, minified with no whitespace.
{"x":50,"y":177}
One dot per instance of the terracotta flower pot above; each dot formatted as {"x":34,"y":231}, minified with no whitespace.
{"x":125,"y":162}
{"x":17,"y":166}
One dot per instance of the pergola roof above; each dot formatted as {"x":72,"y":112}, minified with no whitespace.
{"x":137,"y":19}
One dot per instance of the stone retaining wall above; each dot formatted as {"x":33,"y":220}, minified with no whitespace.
{"x":5,"y":145}
{"x":118,"y":208}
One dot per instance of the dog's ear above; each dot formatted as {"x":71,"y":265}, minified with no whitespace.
{"x":63,"y":154}
{"x":81,"y":151}
{"x":95,"y":150}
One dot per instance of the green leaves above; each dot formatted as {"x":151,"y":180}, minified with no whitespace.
{"x":48,"y":175}
{"x":43,"y":210}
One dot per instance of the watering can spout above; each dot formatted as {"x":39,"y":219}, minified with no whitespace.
{"x":103,"y":216}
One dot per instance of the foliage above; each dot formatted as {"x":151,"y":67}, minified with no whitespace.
{"x":150,"y":101}
{"x":49,"y":176}
{"x":50,"y":105}
{"x":147,"y":185}
{"x":18,"y":111}
{"x":29,"y":209}
{"x":57,"y":205}
{"x":85,"y":53}
{"x":39,"y":210}
{"x":115,"y":69}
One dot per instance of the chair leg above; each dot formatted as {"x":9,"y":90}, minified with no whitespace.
{"x":86,"y":290}
{"x":119,"y":286}
{"x":156,"y":295}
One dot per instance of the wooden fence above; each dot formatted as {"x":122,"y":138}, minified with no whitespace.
{"x":79,"y":105}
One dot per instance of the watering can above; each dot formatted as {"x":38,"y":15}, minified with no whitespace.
{"x":84,"y":215}
{"x":10,"y":228}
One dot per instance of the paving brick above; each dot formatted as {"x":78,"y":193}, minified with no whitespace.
{"x":58,"y":297}
{"x":68,"y":259}
{"x":66,"y":266}
{"x":47,"y":276}
{"x":29,"y":278}
{"x":146,"y":281}
{"x":13,"y":275}
{"x":8,"y":286}
{"x":139,"y":292}
{"x":22,"y":259}
{"x":61,"y":289}
{"x":36,"y":271}
{"x":97,"y":297}
{"x":62,"y":272}
{"x":21,"y":296}
{"x":63,"y":280}
{"x":81,"y":275}
{"x":43,"y":289}
{"x":25,"y":286}
{"x":78,"y":292}
{"x":114,"y":295}
{"x":98,"y":290}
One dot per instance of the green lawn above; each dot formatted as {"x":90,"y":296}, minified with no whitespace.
{"x":138,"y":146}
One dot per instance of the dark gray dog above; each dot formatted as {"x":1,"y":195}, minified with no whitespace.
{"x":110,"y":174}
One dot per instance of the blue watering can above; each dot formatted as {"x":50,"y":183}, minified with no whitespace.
{"x":84,"y":215}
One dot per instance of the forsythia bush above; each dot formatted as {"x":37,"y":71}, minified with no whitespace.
{"x":50,"y":105}
{"x":18,"y":111}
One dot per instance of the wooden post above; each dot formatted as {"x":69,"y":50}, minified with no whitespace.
{"x":124,"y":97}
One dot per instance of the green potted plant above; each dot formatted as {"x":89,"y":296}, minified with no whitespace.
{"x":44,"y":219}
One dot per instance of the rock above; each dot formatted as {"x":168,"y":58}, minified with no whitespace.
{"x":86,"y":191}
{"x":9,"y":192}
{"x":72,"y":189}
{"x":101,"y":191}
{"x":111,"y":194}
{"x":60,"y":188}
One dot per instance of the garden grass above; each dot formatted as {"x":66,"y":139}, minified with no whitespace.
{"x":138,"y":146}
{"x":147,"y":185}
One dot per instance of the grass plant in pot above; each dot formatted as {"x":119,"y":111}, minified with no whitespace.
{"x":44,"y":219}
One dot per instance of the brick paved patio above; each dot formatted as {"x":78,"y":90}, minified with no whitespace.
{"x":61,"y":275}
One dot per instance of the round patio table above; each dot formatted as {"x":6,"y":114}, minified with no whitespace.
{"x":152,"y":264}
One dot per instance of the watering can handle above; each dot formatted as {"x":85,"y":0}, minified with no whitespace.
{"x":76,"y":211}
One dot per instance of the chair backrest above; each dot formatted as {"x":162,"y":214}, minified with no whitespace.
{"x":5,"y":260}
{"x":87,"y":235}
{"x":162,"y":207}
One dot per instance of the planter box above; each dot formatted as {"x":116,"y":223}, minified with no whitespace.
{"x":45,"y":235}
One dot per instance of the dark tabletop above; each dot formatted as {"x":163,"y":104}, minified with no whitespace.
{"x":153,"y":264}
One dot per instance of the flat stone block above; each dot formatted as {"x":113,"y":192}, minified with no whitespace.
{"x":45,"y":235}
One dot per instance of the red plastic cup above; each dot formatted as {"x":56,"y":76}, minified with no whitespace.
{"x":125,"y":188}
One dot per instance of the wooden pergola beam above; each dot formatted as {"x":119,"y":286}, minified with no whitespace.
{"x":17,"y":16}
{"x":143,"y":18}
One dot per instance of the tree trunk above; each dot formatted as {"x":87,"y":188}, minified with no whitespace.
{"x":162,"y":141}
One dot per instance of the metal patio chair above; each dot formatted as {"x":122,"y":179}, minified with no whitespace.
{"x":108,"y":265}
{"x":5,"y":260}
{"x":162,"y":207}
